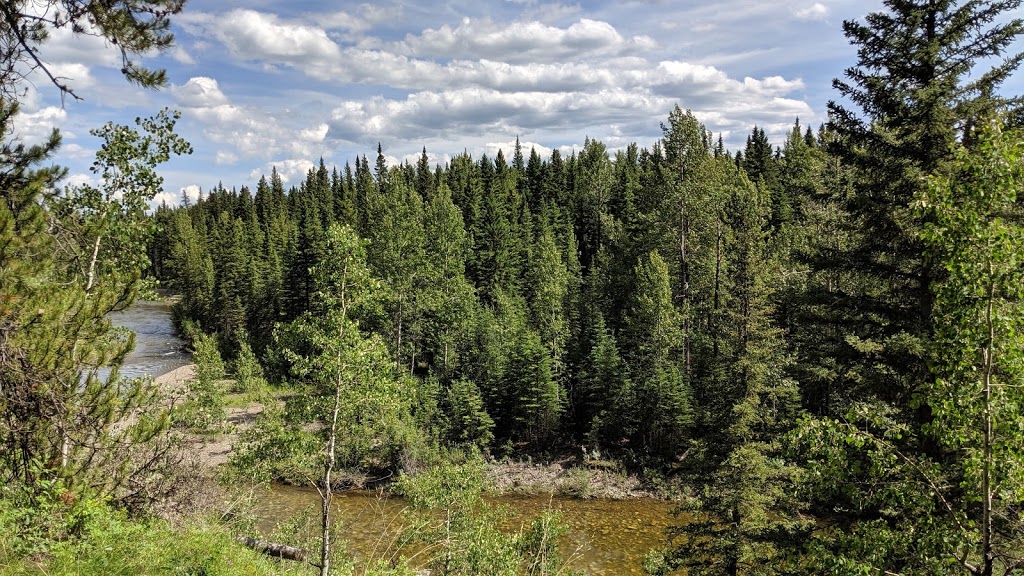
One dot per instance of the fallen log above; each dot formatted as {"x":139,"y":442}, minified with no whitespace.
{"x":274,"y":550}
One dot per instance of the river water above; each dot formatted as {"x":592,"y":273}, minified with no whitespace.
{"x":605,"y":537}
{"x":158,"y":349}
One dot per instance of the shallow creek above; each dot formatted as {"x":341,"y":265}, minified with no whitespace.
{"x":605,"y":537}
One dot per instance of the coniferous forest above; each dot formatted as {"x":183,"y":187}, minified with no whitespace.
{"x":819,"y":343}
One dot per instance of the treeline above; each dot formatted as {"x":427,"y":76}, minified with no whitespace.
{"x":621,"y":303}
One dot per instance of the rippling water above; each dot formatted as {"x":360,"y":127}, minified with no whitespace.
{"x":158,"y":349}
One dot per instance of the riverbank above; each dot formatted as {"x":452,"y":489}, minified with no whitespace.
{"x":211,"y":450}
{"x":568,"y":477}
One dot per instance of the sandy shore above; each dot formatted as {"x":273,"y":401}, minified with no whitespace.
{"x":210,"y":450}
{"x":566,"y":477}
{"x":174,"y":381}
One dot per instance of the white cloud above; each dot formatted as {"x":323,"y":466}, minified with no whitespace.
{"x":192,"y":192}
{"x":161,"y":198}
{"x":816,"y":11}
{"x":581,"y":97}
{"x":74,"y":74}
{"x":247,"y":131}
{"x":433,"y":159}
{"x":315,"y":134}
{"x":224,"y":157}
{"x":35,"y":127}
{"x":180,"y":55}
{"x":291,"y":171}
{"x":336,"y":20}
{"x":313,"y":79}
{"x":255,"y":133}
{"x":89,"y":48}
{"x":508,"y":149}
{"x":80,"y":179}
{"x":250,"y":35}
{"x":518,"y":42}
{"x":552,"y":12}
{"x":199,"y":92}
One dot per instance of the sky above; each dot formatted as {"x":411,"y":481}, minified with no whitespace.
{"x":269,"y":83}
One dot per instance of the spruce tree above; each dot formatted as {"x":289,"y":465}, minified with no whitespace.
{"x":928,"y":73}
{"x":746,"y":519}
{"x":922,"y":79}
{"x":447,"y":298}
{"x":659,"y":402}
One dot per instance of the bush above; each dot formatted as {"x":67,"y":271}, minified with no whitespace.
{"x":204,"y":408}
{"x":576,"y":483}
{"x":450,"y":515}
{"x":248,"y":372}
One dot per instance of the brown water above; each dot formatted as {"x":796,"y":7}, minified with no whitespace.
{"x":605,"y":536}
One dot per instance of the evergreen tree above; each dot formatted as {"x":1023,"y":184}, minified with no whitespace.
{"x":659,"y":401}
{"x":746,"y":519}
{"x":761,"y":166}
{"x":921,"y":85}
{"x":549,"y":286}
{"x":447,"y":297}
{"x":918,"y":83}
{"x":425,"y":185}
{"x":396,"y":254}
{"x":603,"y":386}
{"x":136,"y":28}
{"x":686,"y":156}
{"x":190,"y":269}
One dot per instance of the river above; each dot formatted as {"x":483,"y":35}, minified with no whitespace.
{"x":605,"y":537}
{"x":158,"y":349}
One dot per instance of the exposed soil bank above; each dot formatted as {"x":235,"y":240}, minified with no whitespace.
{"x":565,"y":477}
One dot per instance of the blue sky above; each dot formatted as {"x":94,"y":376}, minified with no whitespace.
{"x":268,"y":83}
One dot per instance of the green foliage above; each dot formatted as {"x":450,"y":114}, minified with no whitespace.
{"x":976,"y":234}
{"x":135,"y":28}
{"x":277,"y":448}
{"x":450,"y":514}
{"x":67,"y":260}
{"x":886,"y":306}
{"x":576,"y":484}
{"x":659,"y":400}
{"x":747,"y":517}
{"x":108,"y":225}
{"x":466,"y":527}
{"x":926,"y":72}
{"x":334,"y":365}
{"x":466,"y":420}
{"x":97,"y":540}
{"x":248,"y":372}
{"x":204,"y":408}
